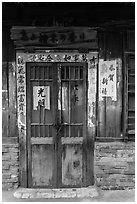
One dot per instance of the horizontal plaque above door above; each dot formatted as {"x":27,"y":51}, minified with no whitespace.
{"x":55,"y":37}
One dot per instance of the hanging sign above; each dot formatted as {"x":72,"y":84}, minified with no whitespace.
{"x":41,"y":97}
{"x":107,"y":79}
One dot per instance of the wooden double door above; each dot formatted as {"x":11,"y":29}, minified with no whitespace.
{"x":56,"y":124}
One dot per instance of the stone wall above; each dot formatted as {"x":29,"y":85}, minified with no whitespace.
{"x":114,"y":165}
{"x":10,"y":166}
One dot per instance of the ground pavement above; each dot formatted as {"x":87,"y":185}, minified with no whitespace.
{"x":103,"y":196}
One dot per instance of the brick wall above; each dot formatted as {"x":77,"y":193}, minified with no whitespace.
{"x":115,"y":165}
{"x":10,"y":166}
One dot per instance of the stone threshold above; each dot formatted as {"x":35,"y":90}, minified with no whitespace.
{"x":90,"y":192}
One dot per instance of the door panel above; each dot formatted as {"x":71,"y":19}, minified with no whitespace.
{"x":73,"y":121}
{"x":41,"y":110}
{"x":72,"y":165}
{"x":42,"y":165}
{"x":56,"y":123}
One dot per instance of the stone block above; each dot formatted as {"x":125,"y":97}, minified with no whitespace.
{"x":127,"y":184}
{"x":63,"y":193}
{"x":14,"y":170}
{"x":129,"y":172}
{"x":25,"y":195}
{"x":14,"y":150}
{"x":14,"y":176}
{"x":6,"y":186}
{"x":10,"y":180}
{"x":6,"y":180}
{"x":113,"y":171}
{"x":6,"y":176}
{"x":14,"y":154}
{"x":15,"y":179}
{"x":5,"y":166}
{"x":14,"y":158}
{"x":15,"y":185}
{"x":17,"y":194}
{"x":5,"y":150}
{"x":14,"y":163}
{"x":6,"y":157}
{"x":13,"y":145}
{"x":87,"y":192}
{"x":115,"y":160}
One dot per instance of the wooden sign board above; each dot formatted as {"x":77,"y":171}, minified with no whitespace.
{"x":55,"y":37}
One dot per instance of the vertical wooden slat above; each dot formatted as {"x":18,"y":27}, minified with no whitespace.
{"x":34,"y":131}
{"x":97,"y":100}
{"x":69,"y":105}
{"x":79,"y":72}
{"x":54,"y":113}
{"x":47,"y":72}
{"x":44,"y":130}
{"x":64,"y":72}
{"x":35,"y":70}
{"x":38,"y":74}
{"x":39,"y":121}
{"x":59,"y":133}
{"x":48,"y":131}
{"x":5,"y":118}
{"x":27,"y":160}
{"x":85,"y":139}
{"x":5,"y":125}
{"x":105,"y":116}
{"x":88,"y":143}
{"x":78,"y":132}
{"x":118,"y":110}
{"x":12,"y":100}
{"x":102,"y":104}
{"x":65,"y":131}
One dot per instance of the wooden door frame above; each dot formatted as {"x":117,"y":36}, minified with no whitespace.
{"x":28,"y":119}
{"x":127,"y":56}
{"x":22,"y":58}
{"x":57,"y":145}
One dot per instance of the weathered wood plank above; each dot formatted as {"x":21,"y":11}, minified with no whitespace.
{"x":42,"y":165}
{"x":89,"y":158}
{"x":85,"y":119}
{"x":27,"y":139}
{"x":4,"y":76}
{"x":38,"y":140}
{"x":73,"y":37}
{"x":72,"y":140}
{"x":72,"y":165}
{"x":108,"y":139}
{"x":59,"y":120}
{"x":130,"y":40}
{"x":54,"y":131}
{"x":5,"y":118}
{"x":12,"y":100}
{"x":9,"y":140}
{"x":110,"y":111}
{"x":5,"y":114}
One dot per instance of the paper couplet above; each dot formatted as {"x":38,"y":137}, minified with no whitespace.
{"x":107,"y":79}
